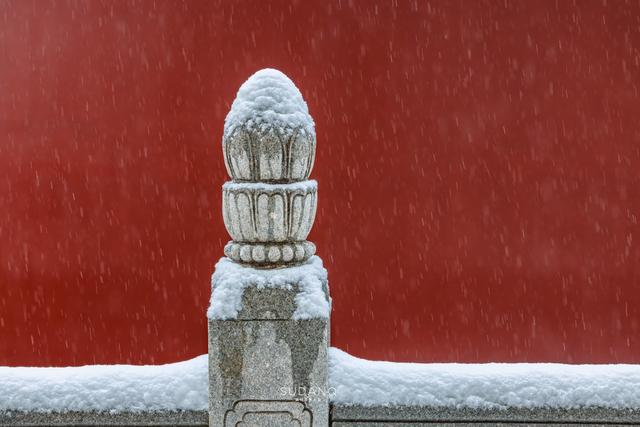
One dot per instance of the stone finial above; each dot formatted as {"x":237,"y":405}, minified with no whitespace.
{"x":269,"y":147}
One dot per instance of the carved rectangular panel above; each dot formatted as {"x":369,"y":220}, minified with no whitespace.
{"x":268,"y":413}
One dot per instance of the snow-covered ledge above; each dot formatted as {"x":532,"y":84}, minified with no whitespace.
{"x":362,"y":393}
{"x":367,"y":392}
{"x":120,"y":395}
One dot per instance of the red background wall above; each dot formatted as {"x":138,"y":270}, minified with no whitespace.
{"x":478,"y":166}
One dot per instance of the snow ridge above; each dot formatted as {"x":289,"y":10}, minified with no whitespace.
{"x":175,"y":386}
{"x":482,"y":386}
{"x":269,"y":99}
{"x":353,"y":381}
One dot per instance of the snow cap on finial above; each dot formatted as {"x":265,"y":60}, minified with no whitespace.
{"x":269,"y":135}
{"x":269,"y":99}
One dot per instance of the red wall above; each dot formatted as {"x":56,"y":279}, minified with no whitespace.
{"x":479,"y":170}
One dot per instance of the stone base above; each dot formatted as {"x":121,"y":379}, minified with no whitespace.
{"x":268,"y":372}
{"x":268,"y":356}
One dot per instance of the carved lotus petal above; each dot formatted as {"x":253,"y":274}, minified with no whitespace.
{"x":269,"y":212}
{"x":269,"y":155}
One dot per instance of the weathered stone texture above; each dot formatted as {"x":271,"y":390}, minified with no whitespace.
{"x":269,"y":147}
{"x":367,"y":416}
{"x":466,"y":424}
{"x":103,"y":418}
{"x":269,"y":155}
{"x":279,"y":365}
{"x":269,"y":213}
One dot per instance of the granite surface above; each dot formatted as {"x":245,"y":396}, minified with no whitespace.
{"x":269,"y":212}
{"x":269,"y":154}
{"x":464,"y":424}
{"x":268,"y":369}
{"x":417,"y":415}
{"x":94,"y":418}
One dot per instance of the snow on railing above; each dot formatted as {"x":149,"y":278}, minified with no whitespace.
{"x":354,"y":384}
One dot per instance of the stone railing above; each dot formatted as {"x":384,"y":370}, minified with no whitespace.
{"x":269,"y":361}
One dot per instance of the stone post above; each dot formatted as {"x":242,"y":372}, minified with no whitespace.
{"x":270,"y":305}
